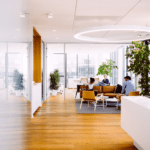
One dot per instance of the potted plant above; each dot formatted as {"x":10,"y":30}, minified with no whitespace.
{"x":106,"y":68}
{"x":18,"y":82}
{"x":139,"y":54}
{"x":54,"y":80}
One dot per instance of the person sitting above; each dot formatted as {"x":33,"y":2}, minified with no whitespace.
{"x":105,"y":80}
{"x":88,"y":87}
{"x":100,"y":84}
{"x":91,"y":84}
{"x":127,"y":86}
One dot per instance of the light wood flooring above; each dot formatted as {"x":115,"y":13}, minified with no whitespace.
{"x":57,"y":126}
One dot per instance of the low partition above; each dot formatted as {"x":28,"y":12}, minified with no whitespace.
{"x":135,"y":113}
{"x":36,"y":97}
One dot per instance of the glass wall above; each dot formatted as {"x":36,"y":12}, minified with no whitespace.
{"x":82,"y":61}
{"x":13,"y":70}
{"x":76,"y":61}
{"x":3,"y":72}
{"x":55,"y":60}
{"x":114,"y":78}
{"x":120,"y":60}
{"x":80,"y":65}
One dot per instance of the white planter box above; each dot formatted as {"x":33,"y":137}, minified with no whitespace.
{"x":18,"y":93}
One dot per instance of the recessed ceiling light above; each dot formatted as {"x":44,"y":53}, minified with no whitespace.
{"x":15,"y":37}
{"x":56,"y":38}
{"x":50,"y":15}
{"x":22,"y":14}
{"x":18,"y":29}
{"x":54,"y":30}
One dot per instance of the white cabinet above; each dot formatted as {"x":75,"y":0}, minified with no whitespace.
{"x":135,"y":119}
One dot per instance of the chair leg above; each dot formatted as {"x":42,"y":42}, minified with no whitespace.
{"x":95,"y":106}
{"x":117,"y":104}
{"x":81,"y":104}
{"x":88,"y":103}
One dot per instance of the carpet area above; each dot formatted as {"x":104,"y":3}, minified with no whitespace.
{"x":110,"y":109}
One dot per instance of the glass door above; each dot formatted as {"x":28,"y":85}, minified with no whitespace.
{"x":55,"y":61}
{"x":17,"y":70}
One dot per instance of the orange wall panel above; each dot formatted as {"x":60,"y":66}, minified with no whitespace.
{"x":37,"y":59}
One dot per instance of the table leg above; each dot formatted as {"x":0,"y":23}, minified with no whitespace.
{"x":76,"y":94}
{"x":117,"y":104}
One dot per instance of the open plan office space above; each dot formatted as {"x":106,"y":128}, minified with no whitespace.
{"x":66,"y":72}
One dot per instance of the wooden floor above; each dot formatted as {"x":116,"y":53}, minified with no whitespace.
{"x":57,"y":126}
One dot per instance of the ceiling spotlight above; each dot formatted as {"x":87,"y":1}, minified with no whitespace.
{"x":22,"y":14}
{"x":50,"y":15}
{"x":15,"y":37}
{"x":18,"y":29}
{"x":56,"y":37}
{"x":54,"y":30}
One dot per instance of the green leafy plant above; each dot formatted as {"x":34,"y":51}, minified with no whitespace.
{"x":106,"y":68}
{"x":54,"y":80}
{"x":138,"y":54}
{"x":18,"y":80}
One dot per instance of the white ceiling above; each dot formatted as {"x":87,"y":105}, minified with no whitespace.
{"x":68,"y":18}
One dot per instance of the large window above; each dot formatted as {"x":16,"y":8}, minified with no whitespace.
{"x":120,"y":60}
{"x":114,"y":78}
{"x":80,"y":65}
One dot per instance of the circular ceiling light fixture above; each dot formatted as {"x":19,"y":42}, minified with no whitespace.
{"x":79,"y":34}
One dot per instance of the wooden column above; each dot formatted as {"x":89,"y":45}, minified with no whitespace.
{"x":36,"y":56}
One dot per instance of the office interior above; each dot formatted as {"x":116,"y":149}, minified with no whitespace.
{"x":74,"y":58}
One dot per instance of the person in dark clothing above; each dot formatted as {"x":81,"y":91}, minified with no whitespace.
{"x":105,"y":80}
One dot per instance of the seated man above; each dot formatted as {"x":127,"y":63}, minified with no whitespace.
{"x":105,"y":80}
{"x":127,"y":85}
